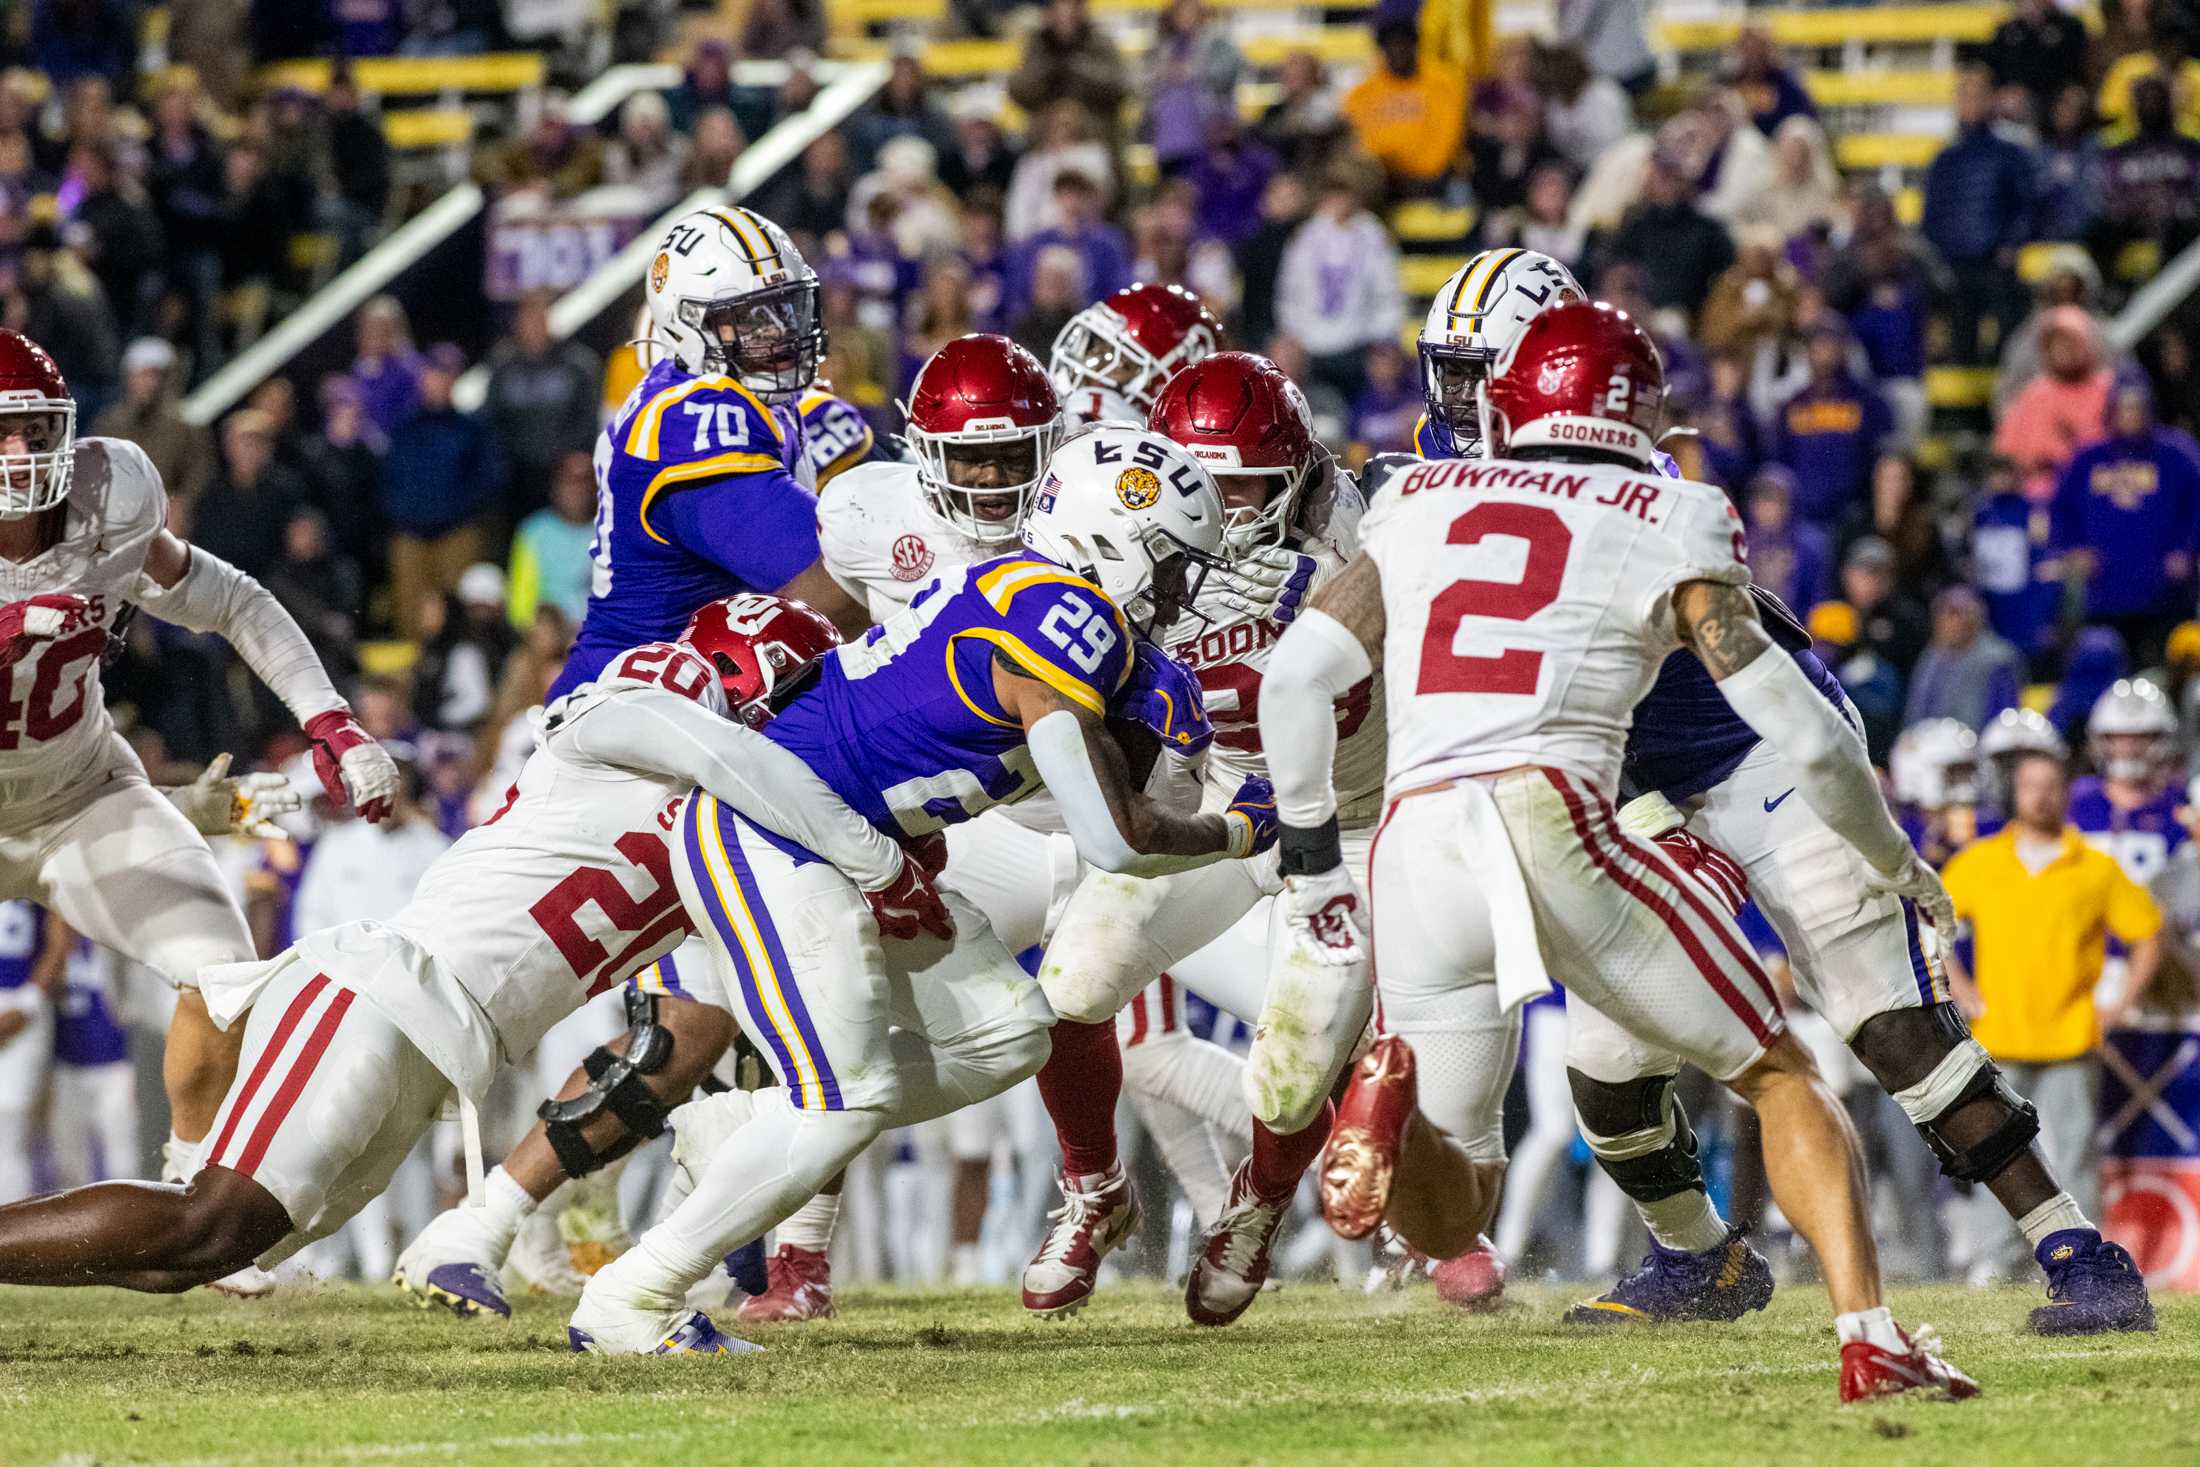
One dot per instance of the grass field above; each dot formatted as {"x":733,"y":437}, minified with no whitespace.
{"x":350,"y":1374}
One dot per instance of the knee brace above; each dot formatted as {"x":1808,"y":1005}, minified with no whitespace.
{"x":616,"y":1084}
{"x":1967,"y":1075}
{"x":1639,"y":1134}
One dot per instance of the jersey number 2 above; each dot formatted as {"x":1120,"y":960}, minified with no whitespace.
{"x":1515,"y":669}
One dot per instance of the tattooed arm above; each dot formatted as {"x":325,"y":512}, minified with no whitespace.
{"x":1334,"y":647}
{"x":1768,"y":689}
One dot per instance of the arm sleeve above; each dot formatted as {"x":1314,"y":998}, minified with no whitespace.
{"x":761,"y":527}
{"x":2132,"y":913}
{"x":656,"y":732}
{"x":1057,"y":744}
{"x":1317,"y":662}
{"x":214,"y":596}
{"x":1777,"y":701}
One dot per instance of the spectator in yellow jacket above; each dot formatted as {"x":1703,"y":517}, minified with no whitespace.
{"x":1412,"y":117}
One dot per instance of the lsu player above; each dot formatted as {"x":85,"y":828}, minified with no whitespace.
{"x":995,"y":682}
{"x":1934,"y":770}
{"x":358,"y":1034}
{"x":83,"y":536}
{"x":1701,"y":775}
{"x":2129,"y":805}
{"x":1525,"y":604}
{"x":1111,"y":360}
{"x":1292,"y":518}
{"x":835,"y":437}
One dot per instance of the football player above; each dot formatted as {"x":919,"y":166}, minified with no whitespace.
{"x":359,"y":1033}
{"x":1527,"y":603}
{"x":2129,"y":805}
{"x":995,"y":682}
{"x":2012,"y":732}
{"x":83,"y":536}
{"x":1934,"y":769}
{"x":1110,"y":362}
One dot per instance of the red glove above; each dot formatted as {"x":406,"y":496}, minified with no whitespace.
{"x":40,"y":619}
{"x":1713,"y":869}
{"x":354,"y":769}
{"x":928,"y":851}
{"x":911,"y":906}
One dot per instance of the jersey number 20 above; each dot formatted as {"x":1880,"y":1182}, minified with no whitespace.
{"x":1514,"y":669}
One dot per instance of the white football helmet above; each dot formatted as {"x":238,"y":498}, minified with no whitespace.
{"x":1133,"y":513}
{"x":1110,"y":360}
{"x":1934,"y":765}
{"x":730,"y":294}
{"x":1479,"y":312}
{"x":2015,"y":731}
{"x":2132,"y":731}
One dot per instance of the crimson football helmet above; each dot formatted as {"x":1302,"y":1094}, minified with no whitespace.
{"x":34,"y":405}
{"x":1244,"y":419}
{"x":982,"y":392}
{"x":1583,"y":376}
{"x":1134,"y":341}
{"x":762,"y":648}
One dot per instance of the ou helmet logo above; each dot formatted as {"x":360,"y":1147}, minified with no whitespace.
{"x":749,"y":613}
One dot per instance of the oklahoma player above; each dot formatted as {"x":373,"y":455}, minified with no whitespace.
{"x":82,"y":533}
{"x":1570,"y":569}
{"x":1111,"y":360}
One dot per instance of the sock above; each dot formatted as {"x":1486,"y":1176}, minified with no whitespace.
{"x":1080,"y":1083}
{"x":504,"y":1206}
{"x":811,"y":1227}
{"x":179,"y":1159}
{"x":2057,"y":1214}
{"x":1279,"y":1161}
{"x":1874,"y":1325}
{"x":1685,"y":1221}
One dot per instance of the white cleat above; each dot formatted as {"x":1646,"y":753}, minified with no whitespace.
{"x":612,"y":1319}
{"x":454,"y":1264}
{"x":249,"y":1282}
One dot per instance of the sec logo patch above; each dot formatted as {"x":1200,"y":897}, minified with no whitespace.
{"x":1138,"y":488}
{"x":912,"y":557}
{"x":659,"y":268}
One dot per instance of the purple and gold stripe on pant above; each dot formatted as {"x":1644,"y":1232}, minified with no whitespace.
{"x":767,"y":981}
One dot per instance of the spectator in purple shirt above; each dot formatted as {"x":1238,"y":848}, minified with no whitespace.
{"x":1830,"y":432}
{"x":1384,"y":413}
{"x":1788,"y":557}
{"x":386,"y":370}
{"x":1084,"y":230}
{"x":2127,"y":516}
{"x":1228,"y":180}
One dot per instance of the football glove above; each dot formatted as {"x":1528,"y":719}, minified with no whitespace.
{"x":1917,"y":882}
{"x":909,"y":906}
{"x":353,"y":768}
{"x":218,"y":803}
{"x":1268,"y":585}
{"x":1162,"y":695}
{"x":1254,"y":808}
{"x":40,"y":619}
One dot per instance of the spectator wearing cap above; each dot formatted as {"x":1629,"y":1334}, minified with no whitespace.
{"x":442,"y":486}
{"x":2150,"y":183}
{"x":1967,"y":672}
{"x":1337,"y":288}
{"x":1884,"y":283}
{"x":1768,"y":86}
{"x":1890,"y":622}
{"x":550,"y":565}
{"x":322,"y":588}
{"x":1069,"y":57}
{"x":385,"y":368}
{"x":1978,"y":213}
{"x":1679,"y":248}
{"x":1830,"y":432}
{"x":542,"y":400}
{"x":146,"y":415}
{"x":467,"y":642}
{"x":2064,"y":408}
{"x":2070,"y":166}
{"x":1103,"y":251}
{"x":344,"y":471}
{"x":2013,"y":561}
{"x":241,"y":515}
{"x":1410,"y":115}
{"x":1873,"y":684}
{"x":706,"y":83}
{"x":1789,"y":557}
{"x":2041,"y":48}
{"x":2127,"y":519}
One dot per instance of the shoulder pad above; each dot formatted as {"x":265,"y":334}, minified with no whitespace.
{"x":705,"y":420}
{"x":1380,"y":470}
{"x":667,"y":666}
{"x":1786,"y":628}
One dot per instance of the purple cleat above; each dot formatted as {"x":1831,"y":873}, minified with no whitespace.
{"x":466,"y":1289}
{"x":2093,"y":1287}
{"x":1720,"y":1284}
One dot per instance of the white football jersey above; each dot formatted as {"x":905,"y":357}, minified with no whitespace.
{"x":1230,"y":654}
{"x":54,"y":724}
{"x":1527,"y":608}
{"x":881,"y":541}
{"x":1088,"y":405}
{"x":568,"y":889}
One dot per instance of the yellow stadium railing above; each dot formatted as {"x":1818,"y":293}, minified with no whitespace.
{"x":390,"y":76}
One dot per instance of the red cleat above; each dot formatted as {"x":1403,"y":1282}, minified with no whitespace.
{"x":800,"y":1287}
{"x":1361,"y":1159}
{"x":1097,"y":1216}
{"x":1473,"y":1280}
{"x":1868,"y":1372}
{"x":1232,"y":1262}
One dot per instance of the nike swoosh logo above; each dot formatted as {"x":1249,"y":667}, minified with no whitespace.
{"x":1775,"y":802}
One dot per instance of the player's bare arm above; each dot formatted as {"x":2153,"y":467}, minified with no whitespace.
{"x":1354,"y":600}
{"x":816,"y":587}
{"x":1116,"y":826}
{"x":1719,"y":622}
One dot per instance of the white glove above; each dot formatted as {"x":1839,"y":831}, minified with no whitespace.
{"x":1324,"y":919}
{"x":1268,"y":585}
{"x":247,"y":804}
{"x":1919,"y":883}
{"x":1320,"y":994}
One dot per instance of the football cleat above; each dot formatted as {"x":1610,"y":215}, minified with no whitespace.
{"x":1092,"y":1222}
{"x":1361,"y":1160}
{"x":455,"y":1264}
{"x":1474,"y":1280}
{"x":1869,"y":1372}
{"x":1232,"y":1261}
{"x":542,"y":1260}
{"x":747,"y":1268}
{"x":690,"y":1333}
{"x":800,"y":1287}
{"x":1720,"y":1284}
{"x":2093,"y":1287}
{"x":249,"y":1282}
